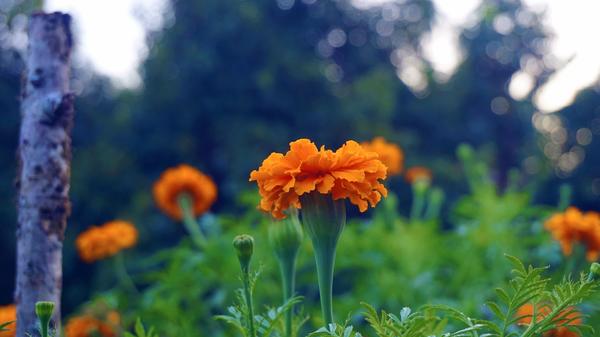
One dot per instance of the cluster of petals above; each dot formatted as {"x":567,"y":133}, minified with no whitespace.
{"x":100,"y":242}
{"x":184,"y":180}
{"x":391,"y":155}
{"x":417,"y":172}
{"x":569,"y":317}
{"x":8,"y":313}
{"x":90,"y":326}
{"x":574,"y":226}
{"x":350,"y":172}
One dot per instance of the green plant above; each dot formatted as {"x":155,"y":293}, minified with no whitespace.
{"x":4,"y":326}
{"x":240,"y":316}
{"x":140,"y":330}
{"x":420,"y":323}
{"x":529,"y":286}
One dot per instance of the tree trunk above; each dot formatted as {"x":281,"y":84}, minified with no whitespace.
{"x":43,"y":178}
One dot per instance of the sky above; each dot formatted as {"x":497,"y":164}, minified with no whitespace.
{"x":116,"y":49}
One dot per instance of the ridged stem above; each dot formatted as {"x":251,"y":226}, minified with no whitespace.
{"x":249,"y":304}
{"x":324,"y":219}
{"x":189,"y":220}
{"x":287,"y":266}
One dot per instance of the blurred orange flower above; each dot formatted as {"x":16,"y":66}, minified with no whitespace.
{"x":88,"y":326}
{"x":574,"y":226}
{"x":569,"y":316}
{"x":391,"y":155}
{"x":180,"y":180}
{"x":350,"y":172}
{"x":417,"y":172}
{"x":100,"y":242}
{"x":8,"y":313}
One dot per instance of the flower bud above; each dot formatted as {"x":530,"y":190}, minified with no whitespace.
{"x":44,"y":310}
{"x":244,"y":245}
{"x":286,"y":236}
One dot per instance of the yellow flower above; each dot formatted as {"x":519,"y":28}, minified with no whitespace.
{"x":350,"y":172}
{"x":88,"y":326}
{"x":391,"y":155}
{"x":417,"y":172}
{"x":8,"y":313}
{"x":574,"y":226}
{"x":180,"y":180}
{"x":100,"y":242}
{"x":570,"y":315}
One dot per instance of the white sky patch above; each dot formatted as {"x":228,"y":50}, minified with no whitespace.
{"x":576,"y":27}
{"x":520,"y":85}
{"x":111,"y":34}
{"x":111,"y":38}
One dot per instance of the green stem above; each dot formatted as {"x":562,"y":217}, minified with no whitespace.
{"x":124,"y":278}
{"x":418,"y":202}
{"x":249,"y":304}
{"x":189,"y":220}
{"x":287,"y":267}
{"x":44,"y":329}
{"x":324,"y":219}
{"x":434,"y":205}
{"x":325,"y":259}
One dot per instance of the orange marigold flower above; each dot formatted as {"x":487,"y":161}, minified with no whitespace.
{"x":569,"y":317}
{"x":88,"y":326}
{"x":391,"y":155}
{"x":100,"y":242}
{"x":574,"y":226}
{"x":417,"y":172}
{"x":8,"y":313}
{"x":350,"y":172}
{"x":184,"y":180}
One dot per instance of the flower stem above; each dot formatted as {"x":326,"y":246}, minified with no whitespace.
{"x":44,"y":329}
{"x":436,"y":197}
{"x":417,"y":206}
{"x":325,"y":259}
{"x":189,"y":221}
{"x":249,"y":304}
{"x":288,"y":277}
{"x":324,"y":219}
{"x":123,"y":275}
{"x":419,"y":188}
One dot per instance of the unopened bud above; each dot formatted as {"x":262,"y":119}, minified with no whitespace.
{"x":244,"y":245}
{"x":286,"y":235}
{"x":44,"y":310}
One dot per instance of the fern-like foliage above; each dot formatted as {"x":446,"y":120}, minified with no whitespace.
{"x":425,"y":322}
{"x":140,"y":331}
{"x":4,"y":326}
{"x":529,"y":286}
{"x":269,"y":324}
{"x":335,"y":330}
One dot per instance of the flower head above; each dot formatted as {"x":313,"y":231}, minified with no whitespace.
{"x":569,"y":317}
{"x":88,"y":326}
{"x":390,"y":154}
{"x":574,"y":226}
{"x":100,"y":242}
{"x":417,"y":172}
{"x":351,"y":172}
{"x":8,"y":313}
{"x":184,"y":180}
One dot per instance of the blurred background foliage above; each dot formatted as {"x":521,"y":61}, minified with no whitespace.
{"x":226,"y":82}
